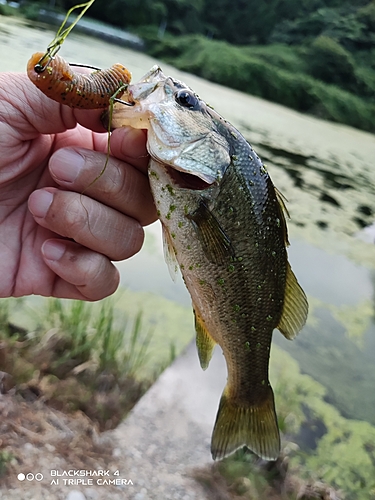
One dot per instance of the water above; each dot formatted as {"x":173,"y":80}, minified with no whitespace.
{"x":325,"y":170}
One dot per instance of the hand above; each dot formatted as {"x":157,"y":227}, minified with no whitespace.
{"x":59,"y":230}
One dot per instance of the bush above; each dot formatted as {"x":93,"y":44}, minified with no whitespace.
{"x":249,"y":71}
{"x":31,"y":10}
{"x":6,"y":10}
{"x":279,"y":55}
{"x":367,"y":15}
{"x":365,"y":81}
{"x":330,"y":62}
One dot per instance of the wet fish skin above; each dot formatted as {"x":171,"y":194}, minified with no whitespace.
{"x":223,"y":222}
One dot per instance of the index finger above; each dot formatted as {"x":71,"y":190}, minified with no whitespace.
{"x":129,"y":144}
{"x":109,"y":180}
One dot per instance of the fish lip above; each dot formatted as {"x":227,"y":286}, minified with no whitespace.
{"x":140,"y":91}
{"x":147,"y":84}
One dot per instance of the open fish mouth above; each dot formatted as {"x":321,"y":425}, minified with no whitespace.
{"x":186,"y":180}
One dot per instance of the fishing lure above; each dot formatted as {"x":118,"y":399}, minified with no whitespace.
{"x":56,"y":78}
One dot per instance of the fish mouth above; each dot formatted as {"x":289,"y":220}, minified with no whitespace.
{"x":185,"y":180}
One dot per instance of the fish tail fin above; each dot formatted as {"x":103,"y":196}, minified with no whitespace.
{"x":252,"y":426}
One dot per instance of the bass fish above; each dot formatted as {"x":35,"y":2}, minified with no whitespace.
{"x":223,"y":223}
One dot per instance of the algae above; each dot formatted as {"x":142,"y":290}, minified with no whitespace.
{"x":344,"y":455}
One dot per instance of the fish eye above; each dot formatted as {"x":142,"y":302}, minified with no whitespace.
{"x":186,"y":98}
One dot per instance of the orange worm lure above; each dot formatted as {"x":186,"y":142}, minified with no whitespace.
{"x":57,"y":80}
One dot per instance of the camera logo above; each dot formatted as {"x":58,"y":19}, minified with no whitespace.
{"x":30,"y":477}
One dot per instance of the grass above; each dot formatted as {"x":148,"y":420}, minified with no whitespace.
{"x":244,"y":477}
{"x":91,"y":332}
{"x":84,"y":360}
{"x":7,"y":10}
{"x":6,"y":458}
{"x":79,"y":357}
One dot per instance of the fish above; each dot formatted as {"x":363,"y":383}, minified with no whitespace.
{"x":224,"y":226}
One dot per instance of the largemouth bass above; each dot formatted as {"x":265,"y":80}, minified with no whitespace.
{"x":223,"y":222}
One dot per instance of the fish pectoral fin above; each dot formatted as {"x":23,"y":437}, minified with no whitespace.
{"x":284,"y":211}
{"x":216,"y":245}
{"x":295,"y":307}
{"x":252,"y":426}
{"x":205,"y":343}
{"x":169,"y":253}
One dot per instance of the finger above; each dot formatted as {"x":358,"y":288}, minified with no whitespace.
{"x":81,"y":273}
{"x":24,"y":104}
{"x":115,"y":183}
{"x":88,"y":222}
{"x":129,"y":144}
{"x":89,"y":118}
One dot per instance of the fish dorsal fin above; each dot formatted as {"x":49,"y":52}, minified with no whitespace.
{"x":295,"y":307}
{"x":169,"y":253}
{"x":205,"y":343}
{"x":215,"y":243}
{"x":283,"y":212}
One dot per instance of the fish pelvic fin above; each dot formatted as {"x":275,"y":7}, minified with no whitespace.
{"x":205,"y":343}
{"x":295,"y":307}
{"x":169,"y":253}
{"x":252,"y":426}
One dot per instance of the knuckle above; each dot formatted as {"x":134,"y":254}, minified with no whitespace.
{"x":75,"y":218}
{"x":100,"y":278}
{"x":119,"y":186}
{"x":129,"y":243}
{"x":109,"y":180}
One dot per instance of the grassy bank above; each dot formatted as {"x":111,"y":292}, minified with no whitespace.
{"x":79,"y":357}
{"x":90,"y":359}
{"x":283,"y":74}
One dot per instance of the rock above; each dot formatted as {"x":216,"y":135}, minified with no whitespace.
{"x":75,"y":495}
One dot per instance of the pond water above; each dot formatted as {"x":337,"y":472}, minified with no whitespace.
{"x":327,"y":173}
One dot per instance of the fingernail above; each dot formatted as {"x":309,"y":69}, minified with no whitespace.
{"x":53,"y":250}
{"x":66,"y":164}
{"x":39,"y":202}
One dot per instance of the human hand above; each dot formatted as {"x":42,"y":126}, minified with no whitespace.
{"x":59,"y":230}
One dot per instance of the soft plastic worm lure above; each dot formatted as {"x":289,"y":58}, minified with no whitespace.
{"x":57,"y":80}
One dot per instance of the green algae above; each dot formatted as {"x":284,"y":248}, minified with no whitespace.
{"x":344,"y":455}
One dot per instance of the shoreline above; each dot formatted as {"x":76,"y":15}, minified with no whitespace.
{"x":103,"y":31}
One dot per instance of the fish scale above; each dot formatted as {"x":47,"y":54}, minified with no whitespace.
{"x":223,"y":224}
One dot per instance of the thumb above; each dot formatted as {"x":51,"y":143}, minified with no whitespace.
{"x":29,"y":113}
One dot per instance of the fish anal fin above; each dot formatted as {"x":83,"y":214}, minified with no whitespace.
{"x":215,"y":243}
{"x":169,"y":253}
{"x":295,"y":307}
{"x":205,"y":343}
{"x":252,"y":426}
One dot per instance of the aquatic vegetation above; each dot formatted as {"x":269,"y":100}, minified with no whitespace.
{"x":344,"y":454}
{"x":355,"y":319}
{"x":324,"y":455}
{"x":340,"y":363}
